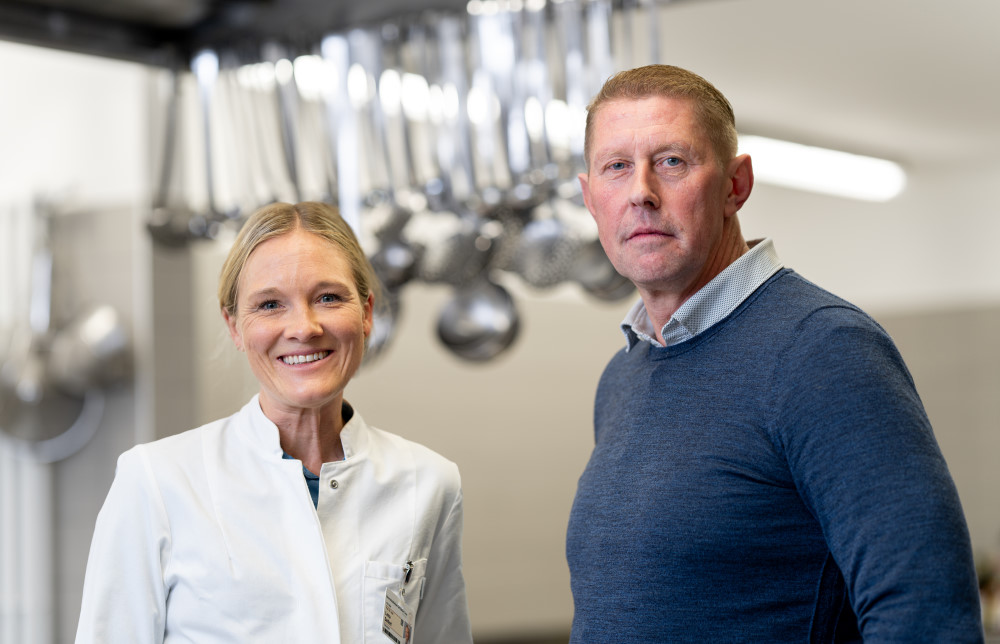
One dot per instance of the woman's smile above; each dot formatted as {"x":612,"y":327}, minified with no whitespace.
{"x":304,"y":358}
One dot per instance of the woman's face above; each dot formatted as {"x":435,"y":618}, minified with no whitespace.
{"x":301,"y":322}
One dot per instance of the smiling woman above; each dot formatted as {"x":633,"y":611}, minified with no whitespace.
{"x":292,"y":519}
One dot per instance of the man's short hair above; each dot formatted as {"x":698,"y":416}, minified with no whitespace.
{"x":712,"y":109}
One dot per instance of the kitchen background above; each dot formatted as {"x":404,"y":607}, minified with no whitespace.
{"x":83,"y":140}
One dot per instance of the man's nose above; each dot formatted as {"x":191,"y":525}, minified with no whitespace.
{"x":642,"y":191}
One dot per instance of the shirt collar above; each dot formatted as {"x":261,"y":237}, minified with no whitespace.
{"x":711,"y":303}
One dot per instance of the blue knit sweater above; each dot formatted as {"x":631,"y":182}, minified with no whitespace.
{"x":774,"y":479}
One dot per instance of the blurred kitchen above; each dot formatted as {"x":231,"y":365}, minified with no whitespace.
{"x":137,"y":133}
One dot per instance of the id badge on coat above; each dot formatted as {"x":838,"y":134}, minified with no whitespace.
{"x":397,"y":621}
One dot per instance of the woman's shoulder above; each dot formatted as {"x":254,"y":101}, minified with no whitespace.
{"x":182,"y":442}
{"x":174,"y":457}
{"x":426,"y":461}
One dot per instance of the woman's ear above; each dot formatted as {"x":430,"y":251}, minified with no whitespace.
{"x":234,"y":332}
{"x":369,"y":308}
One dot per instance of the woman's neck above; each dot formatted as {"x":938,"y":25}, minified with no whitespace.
{"x":310,"y":435}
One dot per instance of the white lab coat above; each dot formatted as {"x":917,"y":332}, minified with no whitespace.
{"x":210,"y":536}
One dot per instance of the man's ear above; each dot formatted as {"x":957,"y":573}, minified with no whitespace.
{"x":585,"y":190}
{"x":234,"y":333}
{"x":740,"y":172}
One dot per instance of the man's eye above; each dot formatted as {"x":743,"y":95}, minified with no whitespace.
{"x":617,"y":165}
{"x":673,"y":162}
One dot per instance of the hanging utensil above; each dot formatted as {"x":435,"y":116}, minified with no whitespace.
{"x":205,"y":66}
{"x":532,"y":94}
{"x":93,"y":351}
{"x":600,"y":60}
{"x":342,"y":127}
{"x":454,"y":149}
{"x":286,"y":98}
{"x":385,"y":155}
{"x":421,"y":83}
{"x":237,"y":88}
{"x":499,"y":142}
{"x":385,"y":317}
{"x":452,"y":249}
{"x":570,"y":28}
{"x":545,"y":252}
{"x":479,"y":322}
{"x":170,"y":224}
{"x":395,"y":263}
{"x":594,"y":272}
{"x":32,"y":409}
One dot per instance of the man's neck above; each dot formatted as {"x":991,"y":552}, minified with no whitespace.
{"x":662,"y":304}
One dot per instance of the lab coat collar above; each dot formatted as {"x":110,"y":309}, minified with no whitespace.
{"x":262,"y":434}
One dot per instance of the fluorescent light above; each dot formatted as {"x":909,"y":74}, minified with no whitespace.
{"x":804,"y":167}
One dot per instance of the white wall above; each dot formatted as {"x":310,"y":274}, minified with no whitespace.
{"x":932,"y":247}
{"x":74,"y":132}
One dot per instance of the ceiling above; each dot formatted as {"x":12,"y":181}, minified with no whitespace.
{"x":154,"y":31}
{"x":916,"y":81}
{"x":912,"y":80}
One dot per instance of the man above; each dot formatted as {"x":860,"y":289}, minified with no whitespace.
{"x":764,"y":470}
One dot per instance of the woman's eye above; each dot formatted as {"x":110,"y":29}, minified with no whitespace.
{"x":329,"y":298}
{"x":269,"y":305}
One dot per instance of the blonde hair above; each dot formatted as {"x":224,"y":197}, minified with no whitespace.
{"x":712,"y":110}
{"x":281,"y":218}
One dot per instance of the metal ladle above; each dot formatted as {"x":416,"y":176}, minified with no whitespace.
{"x":479,"y":322}
{"x":169,"y":225}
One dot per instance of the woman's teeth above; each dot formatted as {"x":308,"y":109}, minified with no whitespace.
{"x":311,"y":357}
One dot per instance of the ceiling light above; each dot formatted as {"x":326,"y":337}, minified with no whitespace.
{"x":793,"y":165}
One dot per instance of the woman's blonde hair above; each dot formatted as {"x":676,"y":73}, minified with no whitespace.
{"x":280,"y":218}
{"x":712,"y":110}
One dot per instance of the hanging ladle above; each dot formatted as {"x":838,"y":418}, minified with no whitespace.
{"x":479,"y":322}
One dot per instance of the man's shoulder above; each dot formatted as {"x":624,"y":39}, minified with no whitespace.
{"x":790,"y":297}
{"x":790,"y":288}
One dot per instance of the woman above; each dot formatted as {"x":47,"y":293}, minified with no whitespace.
{"x":292,"y":520}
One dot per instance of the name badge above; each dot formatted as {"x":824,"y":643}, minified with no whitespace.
{"x":397,"y":621}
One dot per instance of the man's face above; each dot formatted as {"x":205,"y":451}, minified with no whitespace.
{"x":658,"y":193}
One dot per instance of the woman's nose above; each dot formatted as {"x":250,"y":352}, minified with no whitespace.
{"x":642,"y":191}
{"x":303,"y":324}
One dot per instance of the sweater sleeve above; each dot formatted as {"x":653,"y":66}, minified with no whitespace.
{"x":124,"y":598}
{"x":864,"y":458}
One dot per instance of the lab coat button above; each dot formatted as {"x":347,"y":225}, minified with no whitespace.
{"x":333,"y":484}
